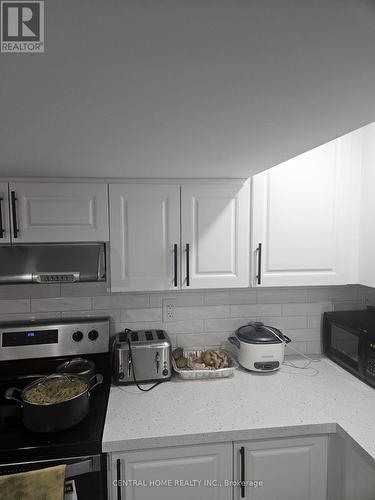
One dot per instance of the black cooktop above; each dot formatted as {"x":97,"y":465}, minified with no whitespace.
{"x":19,"y":444}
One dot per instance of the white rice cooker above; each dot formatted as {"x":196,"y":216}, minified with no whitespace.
{"x":259,"y":348}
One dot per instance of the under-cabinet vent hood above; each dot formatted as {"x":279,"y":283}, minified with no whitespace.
{"x":52,"y":263}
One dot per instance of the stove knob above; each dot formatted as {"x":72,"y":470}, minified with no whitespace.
{"x":77,"y":336}
{"x":93,"y":334}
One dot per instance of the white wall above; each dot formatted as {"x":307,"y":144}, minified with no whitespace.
{"x":367,"y":229}
{"x":185,"y":88}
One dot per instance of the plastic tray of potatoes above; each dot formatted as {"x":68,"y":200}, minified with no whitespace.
{"x":203,"y":373}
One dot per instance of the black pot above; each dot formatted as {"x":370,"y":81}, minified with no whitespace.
{"x":78,"y":366}
{"x":57,"y":416}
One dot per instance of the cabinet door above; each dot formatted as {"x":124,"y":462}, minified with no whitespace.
{"x":305,"y":217}
{"x":59,"y":212}
{"x":282,"y":469}
{"x":145,"y":227}
{"x":180,"y":473}
{"x":215,"y":235}
{"x":4,"y":214}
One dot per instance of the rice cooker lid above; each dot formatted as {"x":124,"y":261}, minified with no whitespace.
{"x":258,"y":333}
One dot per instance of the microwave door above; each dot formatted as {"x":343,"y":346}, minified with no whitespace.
{"x":344,"y":346}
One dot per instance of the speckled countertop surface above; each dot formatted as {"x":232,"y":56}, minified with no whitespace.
{"x":246,"y":406}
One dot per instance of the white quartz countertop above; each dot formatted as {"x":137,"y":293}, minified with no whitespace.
{"x":248,"y":405}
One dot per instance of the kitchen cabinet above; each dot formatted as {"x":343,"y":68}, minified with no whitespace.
{"x":179,"y":473}
{"x":288,"y":469}
{"x":58,"y":212}
{"x":4,"y":214}
{"x":145,"y":236}
{"x":215,"y":235}
{"x":306,"y":216}
{"x":155,"y":245}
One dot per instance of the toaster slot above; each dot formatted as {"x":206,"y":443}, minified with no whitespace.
{"x":160,"y":334}
{"x":134,"y":337}
{"x":148,"y":334}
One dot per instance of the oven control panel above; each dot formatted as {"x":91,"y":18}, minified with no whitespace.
{"x":60,"y":338}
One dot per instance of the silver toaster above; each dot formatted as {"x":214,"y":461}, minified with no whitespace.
{"x":141,"y":356}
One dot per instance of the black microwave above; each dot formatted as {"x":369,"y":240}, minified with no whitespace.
{"x":349,"y":340}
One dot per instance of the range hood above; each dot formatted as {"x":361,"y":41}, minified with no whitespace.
{"x":52,"y":263}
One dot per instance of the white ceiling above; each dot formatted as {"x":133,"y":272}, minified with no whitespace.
{"x":185,"y":88}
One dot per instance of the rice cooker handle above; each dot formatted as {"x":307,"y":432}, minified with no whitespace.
{"x":234,"y":341}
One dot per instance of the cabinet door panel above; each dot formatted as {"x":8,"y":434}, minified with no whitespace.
{"x":215,"y":223}
{"x":4,"y":214}
{"x":145,"y":226}
{"x":290,"y":469}
{"x":60,"y":212}
{"x":180,"y":468}
{"x":299,"y":216}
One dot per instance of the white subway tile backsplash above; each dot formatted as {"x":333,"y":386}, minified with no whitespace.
{"x":113,"y":314}
{"x":348,"y":305}
{"x":242,"y":311}
{"x":201,"y":340}
{"x":275,"y":296}
{"x":133,"y":315}
{"x":201,"y":312}
{"x":84,"y":289}
{"x":302,"y":334}
{"x":283,"y":322}
{"x":204,"y":318}
{"x":182,"y":299}
{"x":225,"y":325}
{"x":61,"y":304}
{"x":14,"y":306}
{"x":192,"y":326}
{"x":306,"y":308}
{"x":120,"y":301}
{"x":231,"y":297}
{"x":30,"y":316}
{"x":29,"y":290}
{"x":314,"y":321}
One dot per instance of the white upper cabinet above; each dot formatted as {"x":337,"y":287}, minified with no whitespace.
{"x":58,"y":212}
{"x":215,"y":235}
{"x":306,"y":216}
{"x":367,"y":233}
{"x":145,"y":236}
{"x":4,"y":214}
{"x":154,"y":247}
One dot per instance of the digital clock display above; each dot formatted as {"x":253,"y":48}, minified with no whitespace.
{"x":29,"y":338}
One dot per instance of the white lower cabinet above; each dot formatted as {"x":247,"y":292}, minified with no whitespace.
{"x":180,"y":473}
{"x":282,"y":469}
{"x":271,"y":469}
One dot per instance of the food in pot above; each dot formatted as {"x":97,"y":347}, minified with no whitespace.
{"x":55,"y":390}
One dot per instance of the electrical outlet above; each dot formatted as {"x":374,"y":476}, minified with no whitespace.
{"x":168,"y":309}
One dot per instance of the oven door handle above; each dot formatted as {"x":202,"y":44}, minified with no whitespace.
{"x":72,"y":469}
{"x":79,"y":468}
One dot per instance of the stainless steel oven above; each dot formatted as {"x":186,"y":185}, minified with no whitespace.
{"x":85,"y":477}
